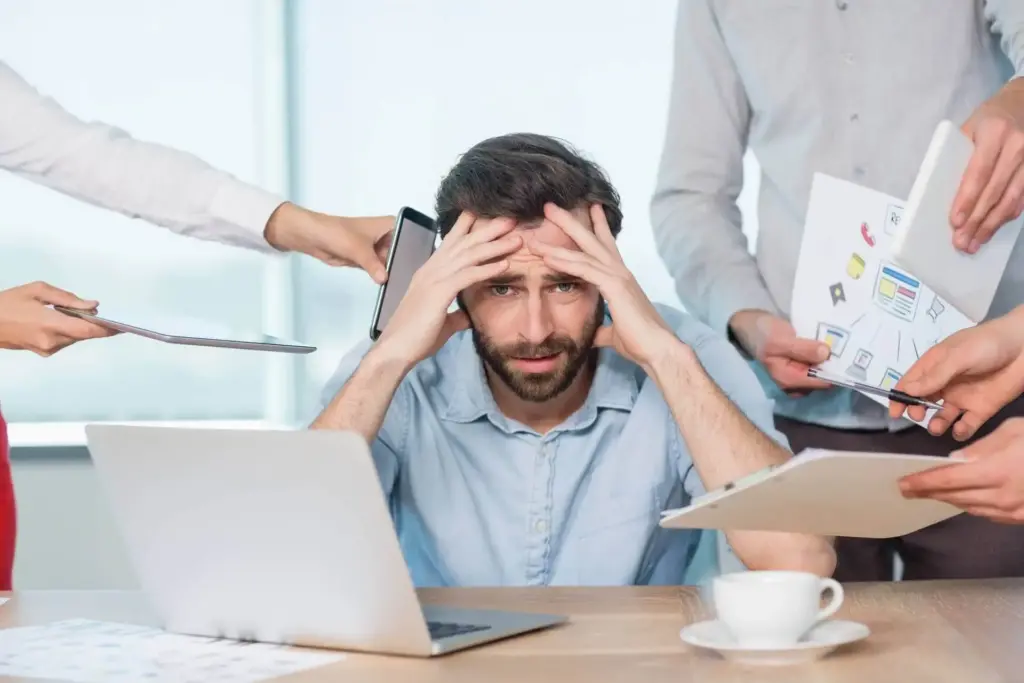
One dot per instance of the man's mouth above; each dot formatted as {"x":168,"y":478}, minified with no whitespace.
{"x":536,"y":364}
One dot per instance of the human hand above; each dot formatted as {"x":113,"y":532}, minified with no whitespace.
{"x":335,"y":240}
{"x":28,"y":323}
{"x":422,"y":324}
{"x":975,"y":372}
{"x":991,"y":192}
{"x":787,"y":358}
{"x":637,"y":332}
{"x":988,"y":483}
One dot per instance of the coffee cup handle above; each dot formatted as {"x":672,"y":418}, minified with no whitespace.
{"x":837,"y":598}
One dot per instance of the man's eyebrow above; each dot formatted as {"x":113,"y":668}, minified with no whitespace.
{"x":559,"y":277}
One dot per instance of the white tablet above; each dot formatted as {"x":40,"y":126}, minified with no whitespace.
{"x":924,"y":243}
{"x":827,"y":493}
{"x":191,"y":332}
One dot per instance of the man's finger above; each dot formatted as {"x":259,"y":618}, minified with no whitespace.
{"x":605,"y":336}
{"x":603,"y":230}
{"x":462,"y":226}
{"x":48,"y":294}
{"x":792,"y":375}
{"x":1006,"y":165}
{"x":368,"y":260}
{"x":488,"y":251}
{"x":975,"y":178}
{"x":945,"y":479}
{"x":975,"y":497}
{"x":587,"y":270}
{"x":467,"y":277}
{"x":1008,"y":208}
{"x":497,"y":228}
{"x":456,"y":321}
{"x":934,"y":371}
{"x":584,"y":239}
{"x":808,"y":351}
{"x":994,"y":514}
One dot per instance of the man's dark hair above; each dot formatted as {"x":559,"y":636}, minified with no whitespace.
{"x":515,"y":175}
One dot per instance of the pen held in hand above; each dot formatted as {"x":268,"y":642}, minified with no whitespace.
{"x":891,"y":394}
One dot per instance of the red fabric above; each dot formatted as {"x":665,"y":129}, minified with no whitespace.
{"x":8,"y":524}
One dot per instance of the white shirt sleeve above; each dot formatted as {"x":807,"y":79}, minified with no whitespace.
{"x":105,"y":166}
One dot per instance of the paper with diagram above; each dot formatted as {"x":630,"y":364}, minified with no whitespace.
{"x":86,"y":651}
{"x":876,"y":317}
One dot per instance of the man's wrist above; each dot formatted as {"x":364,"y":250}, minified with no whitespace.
{"x":280,"y":225}
{"x":675,"y":360}
{"x":386,"y":361}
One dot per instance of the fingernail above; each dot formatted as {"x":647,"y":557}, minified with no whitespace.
{"x":824,"y":353}
{"x":959,"y":218}
{"x":961,"y":240}
{"x":975,"y":246}
{"x":957,"y":455}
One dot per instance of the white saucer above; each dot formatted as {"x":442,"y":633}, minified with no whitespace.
{"x":820,"y":641}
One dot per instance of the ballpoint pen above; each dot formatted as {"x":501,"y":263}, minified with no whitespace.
{"x":891,"y":394}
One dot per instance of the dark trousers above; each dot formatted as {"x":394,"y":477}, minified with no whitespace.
{"x":962,"y":547}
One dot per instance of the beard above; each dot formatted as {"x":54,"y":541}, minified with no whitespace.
{"x":538,"y":387}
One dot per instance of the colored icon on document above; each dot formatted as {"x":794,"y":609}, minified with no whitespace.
{"x":890,"y":378}
{"x":896,"y":292}
{"x":936,"y":309}
{"x":859,"y":367}
{"x":837,"y":293}
{"x":835,"y":338}
{"x":865,"y":232}
{"x":855,"y":266}
{"x":893,"y":216}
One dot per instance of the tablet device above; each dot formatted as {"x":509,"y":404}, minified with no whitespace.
{"x":190,"y":332}
{"x":821,"y":492}
{"x":923,"y":244}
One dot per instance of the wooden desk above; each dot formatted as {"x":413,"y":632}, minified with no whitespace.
{"x":958,"y":631}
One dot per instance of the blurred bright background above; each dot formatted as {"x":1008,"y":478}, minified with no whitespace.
{"x":345,"y":106}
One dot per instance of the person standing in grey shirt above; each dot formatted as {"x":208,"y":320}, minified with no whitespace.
{"x":853,"y":89}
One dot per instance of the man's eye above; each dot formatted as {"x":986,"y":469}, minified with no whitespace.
{"x":566,"y":287}
{"x":500,"y":290}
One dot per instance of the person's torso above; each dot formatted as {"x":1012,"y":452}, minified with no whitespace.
{"x":483,"y":500}
{"x":853,"y":89}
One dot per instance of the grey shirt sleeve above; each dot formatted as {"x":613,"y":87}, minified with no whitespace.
{"x":1006,"y":18}
{"x":696,"y":221}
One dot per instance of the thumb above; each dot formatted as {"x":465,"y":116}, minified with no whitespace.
{"x":605,"y":336}
{"x":48,"y":294}
{"x":808,"y":351}
{"x":457,"y":321}
{"x":368,"y":260}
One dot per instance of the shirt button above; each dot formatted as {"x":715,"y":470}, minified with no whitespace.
{"x":540,"y":526}
{"x":858,"y":171}
{"x":848,"y":58}
{"x":841,"y":5}
{"x":855,"y":117}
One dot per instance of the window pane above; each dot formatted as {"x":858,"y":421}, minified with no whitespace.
{"x":392,"y":91}
{"x":181,"y":73}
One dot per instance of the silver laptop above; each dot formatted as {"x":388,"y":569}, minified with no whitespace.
{"x":275,"y":536}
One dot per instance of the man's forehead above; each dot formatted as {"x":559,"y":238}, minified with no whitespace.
{"x":542,"y":229}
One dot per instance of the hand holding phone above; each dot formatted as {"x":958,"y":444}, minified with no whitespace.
{"x":412,"y":243}
{"x":421,"y":323}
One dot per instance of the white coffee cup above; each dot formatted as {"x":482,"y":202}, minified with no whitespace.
{"x":767,"y":609}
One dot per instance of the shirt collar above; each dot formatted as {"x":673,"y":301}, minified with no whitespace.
{"x":469,"y":397}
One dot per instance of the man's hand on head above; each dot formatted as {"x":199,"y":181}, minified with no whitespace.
{"x":422,"y":324}
{"x":637,"y":332}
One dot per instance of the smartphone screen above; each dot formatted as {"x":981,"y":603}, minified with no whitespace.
{"x":411,"y":246}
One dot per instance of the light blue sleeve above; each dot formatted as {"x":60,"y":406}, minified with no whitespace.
{"x":390,"y":443}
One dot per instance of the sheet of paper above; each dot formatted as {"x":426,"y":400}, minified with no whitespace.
{"x":94,"y":651}
{"x":877,"y":318}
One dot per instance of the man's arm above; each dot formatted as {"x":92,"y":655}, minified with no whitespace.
{"x":726,"y":445}
{"x":104,"y":166}
{"x":696,"y":221}
{"x":363,"y":401}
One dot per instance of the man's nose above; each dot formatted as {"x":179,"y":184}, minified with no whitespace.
{"x":538,"y":325}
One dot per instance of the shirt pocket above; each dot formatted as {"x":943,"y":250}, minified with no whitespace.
{"x":612,"y":551}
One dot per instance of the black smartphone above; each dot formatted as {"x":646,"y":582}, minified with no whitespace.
{"x":411,"y":245}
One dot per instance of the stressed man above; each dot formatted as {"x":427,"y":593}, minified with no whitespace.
{"x":533,"y":435}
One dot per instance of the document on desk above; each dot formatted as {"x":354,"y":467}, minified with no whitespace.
{"x":876,"y":317}
{"x":88,"y":651}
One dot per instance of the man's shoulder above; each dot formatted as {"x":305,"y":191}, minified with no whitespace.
{"x":690,"y":330}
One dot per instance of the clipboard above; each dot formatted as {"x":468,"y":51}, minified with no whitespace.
{"x":821,"y":492}
{"x":924,"y":242}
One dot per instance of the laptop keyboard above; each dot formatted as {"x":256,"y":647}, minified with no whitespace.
{"x":444,"y":629}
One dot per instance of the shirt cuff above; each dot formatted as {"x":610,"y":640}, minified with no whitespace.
{"x":243,"y":211}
